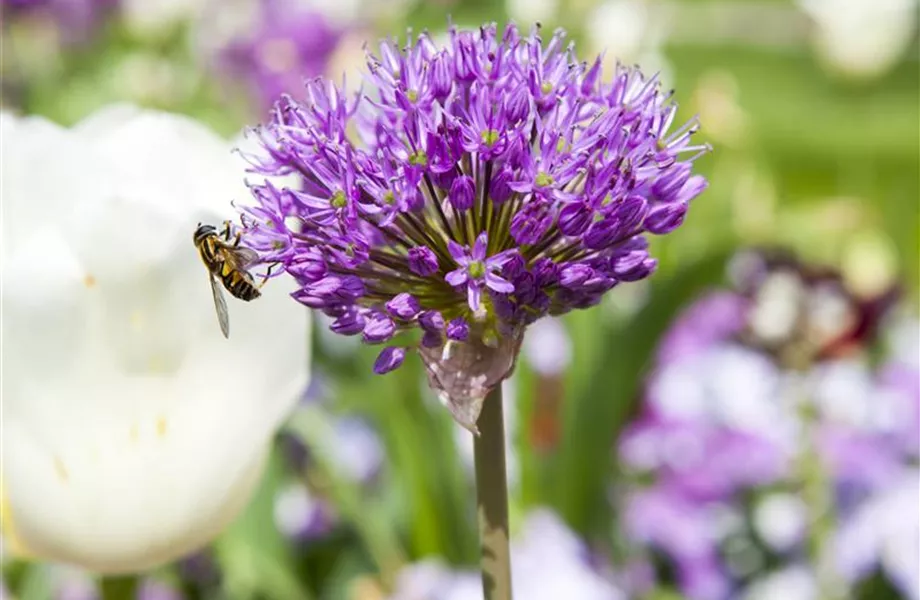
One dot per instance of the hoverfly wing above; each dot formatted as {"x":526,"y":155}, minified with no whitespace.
{"x":243,"y":258}
{"x":220,"y":305}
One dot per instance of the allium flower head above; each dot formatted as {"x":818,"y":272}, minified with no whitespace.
{"x":477,"y":188}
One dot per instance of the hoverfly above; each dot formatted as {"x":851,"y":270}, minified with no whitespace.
{"x":228,"y":261}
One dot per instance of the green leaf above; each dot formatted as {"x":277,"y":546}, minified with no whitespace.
{"x":254,"y":556}
{"x":438,"y":504}
{"x":372,"y":523}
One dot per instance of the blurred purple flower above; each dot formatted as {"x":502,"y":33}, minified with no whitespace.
{"x":884,"y":532}
{"x":715,"y":318}
{"x":200,"y":569}
{"x":662,"y":517}
{"x":902,"y":383}
{"x":853,"y":457}
{"x":288,"y":44}
{"x":549,"y":563}
{"x":151,"y":589}
{"x":75,"y":20}
{"x":547,"y":347}
{"x":727,"y":427}
{"x":702,"y":461}
{"x":358,"y":450}
{"x":300,"y":515}
{"x":72,"y":584}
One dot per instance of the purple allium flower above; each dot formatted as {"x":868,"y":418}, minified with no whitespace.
{"x":494,"y":181}
{"x":287,"y":43}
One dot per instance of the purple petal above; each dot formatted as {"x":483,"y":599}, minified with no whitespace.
{"x":458,"y":329}
{"x":456,"y":278}
{"x":403,"y":305}
{"x":502,"y":258}
{"x":479,"y":248}
{"x":379,"y":328}
{"x":499,"y":284}
{"x":458,"y":253}
{"x":422,"y":261}
{"x":432,"y":321}
{"x":473,"y":293}
{"x":389,"y":358}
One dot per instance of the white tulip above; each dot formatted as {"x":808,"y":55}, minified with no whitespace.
{"x":133,"y":432}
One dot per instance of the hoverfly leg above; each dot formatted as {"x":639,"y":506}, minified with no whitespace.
{"x":268,"y":274}
{"x":225,"y":232}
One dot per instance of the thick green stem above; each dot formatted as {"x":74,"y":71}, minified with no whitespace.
{"x":118,"y":587}
{"x":492,"y":499}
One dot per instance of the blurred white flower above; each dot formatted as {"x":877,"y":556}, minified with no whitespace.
{"x":68,"y":583}
{"x":860,"y":38}
{"x":133,"y":432}
{"x":532,"y":11}
{"x":547,"y":347}
{"x":152,"y":17}
{"x":780,"y":520}
{"x":627,"y":32}
{"x":299,"y":514}
{"x":791,"y":583}
{"x":728,"y":385}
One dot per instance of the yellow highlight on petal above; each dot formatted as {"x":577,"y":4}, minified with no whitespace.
{"x":12,"y":542}
{"x":161,"y":426}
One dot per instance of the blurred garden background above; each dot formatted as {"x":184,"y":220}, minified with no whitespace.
{"x":745,"y":424}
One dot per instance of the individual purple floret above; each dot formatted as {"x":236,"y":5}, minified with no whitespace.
{"x":483,"y":185}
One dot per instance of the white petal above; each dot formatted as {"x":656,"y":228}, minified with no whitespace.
{"x":133,"y":431}
{"x":169,"y":161}
{"x":40,"y":162}
{"x":45,"y":298}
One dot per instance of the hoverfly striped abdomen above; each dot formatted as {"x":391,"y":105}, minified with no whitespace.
{"x":227,"y":261}
{"x":241,"y":286}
